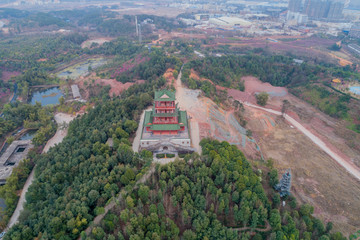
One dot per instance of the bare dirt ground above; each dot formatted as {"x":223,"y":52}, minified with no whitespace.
{"x":116,"y":87}
{"x":301,"y":46}
{"x":150,"y":9}
{"x":169,"y":76}
{"x":7,"y":75}
{"x":62,"y":119}
{"x":318,"y":179}
{"x":209,"y":120}
{"x":99,"y":41}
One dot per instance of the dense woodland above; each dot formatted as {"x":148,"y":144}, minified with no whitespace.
{"x":29,"y":116}
{"x":77,"y":177}
{"x":277,"y":70}
{"x":215,"y":196}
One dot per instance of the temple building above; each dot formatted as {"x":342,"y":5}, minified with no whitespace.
{"x":165,"y":127}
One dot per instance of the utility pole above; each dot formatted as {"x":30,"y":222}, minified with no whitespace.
{"x":140,"y":36}
{"x":136,"y":25}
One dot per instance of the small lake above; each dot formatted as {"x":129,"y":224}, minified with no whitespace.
{"x":355,"y":89}
{"x":81,"y":69}
{"x":47,"y":96}
{"x":28,"y":135}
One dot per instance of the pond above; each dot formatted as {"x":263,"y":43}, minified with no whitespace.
{"x":47,"y":96}
{"x":28,"y":135}
{"x":81,"y":69}
{"x":355,"y":89}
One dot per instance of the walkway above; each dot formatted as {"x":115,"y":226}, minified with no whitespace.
{"x":352,"y":169}
{"x":266,"y":229}
{"x":184,"y":102}
{"x":112,"y":204}
{"x":60,"y":119}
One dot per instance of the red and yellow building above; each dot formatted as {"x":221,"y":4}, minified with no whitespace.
{"x":165,"y":117}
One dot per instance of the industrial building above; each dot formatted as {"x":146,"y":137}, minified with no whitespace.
{"x":229,"y":22}
{"x":75,"y":91}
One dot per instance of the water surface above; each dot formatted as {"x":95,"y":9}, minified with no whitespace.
{"x":28,"y":135}
{"x":355,"y":89}
{"x":47,"y":97}
{"x":81,"y":69}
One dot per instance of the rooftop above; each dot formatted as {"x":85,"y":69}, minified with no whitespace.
{"x":75,"y":91}
{"x":168,"y":127}
{"x":13,"y":155}
{"x":164,"y":95}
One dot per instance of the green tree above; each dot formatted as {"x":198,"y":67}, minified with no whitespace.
{"x":144,"y":193}
{"x":262,"y":98}
{"x":189,"y":235}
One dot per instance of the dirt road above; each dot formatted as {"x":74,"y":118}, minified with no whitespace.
{"x":61,"y":119}
{"x":186,"y":103}
{"x":136,"y":142}
{"x":352,"y":169}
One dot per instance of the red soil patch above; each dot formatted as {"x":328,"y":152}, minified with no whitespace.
{"x":42,"y":60}
{"x":204,"y":130}
{"x":116,"y":87}
{"x":4,"y":94}
{"x":252,"y":86}
{"x":169,"y":76}
{"x":128,"y":65}
{"x":7,"y":75}
{"x":196,"y":76}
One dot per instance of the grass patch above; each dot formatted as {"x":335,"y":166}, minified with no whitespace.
{"x":287,"y":39}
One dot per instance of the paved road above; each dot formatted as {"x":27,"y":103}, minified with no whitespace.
{"x":136,"y":142}
{"x":352,"y":169}
{"x":60,"y":118}
{"x":20,"y":206}
{"x":184,"y":102}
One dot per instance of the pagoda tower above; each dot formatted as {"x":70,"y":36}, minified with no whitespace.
{"x":165,"y":117}
{"x":165,"y":126}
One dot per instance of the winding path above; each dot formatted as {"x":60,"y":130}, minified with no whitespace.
{"x":112,"y":204}
{"x":266,"y":229}
{"x":352,"y":169}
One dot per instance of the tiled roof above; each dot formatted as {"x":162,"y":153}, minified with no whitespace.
{"x":160,"y":127}
{"x":183,"y":117}
{"x":164,"y":95}
{"x":148,"y":118}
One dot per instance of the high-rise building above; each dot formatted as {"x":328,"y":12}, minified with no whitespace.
{"x":295,"y":5}
{"x":301,"y":10}
{"x":335,"y":10}
{"x":316,"y":9}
